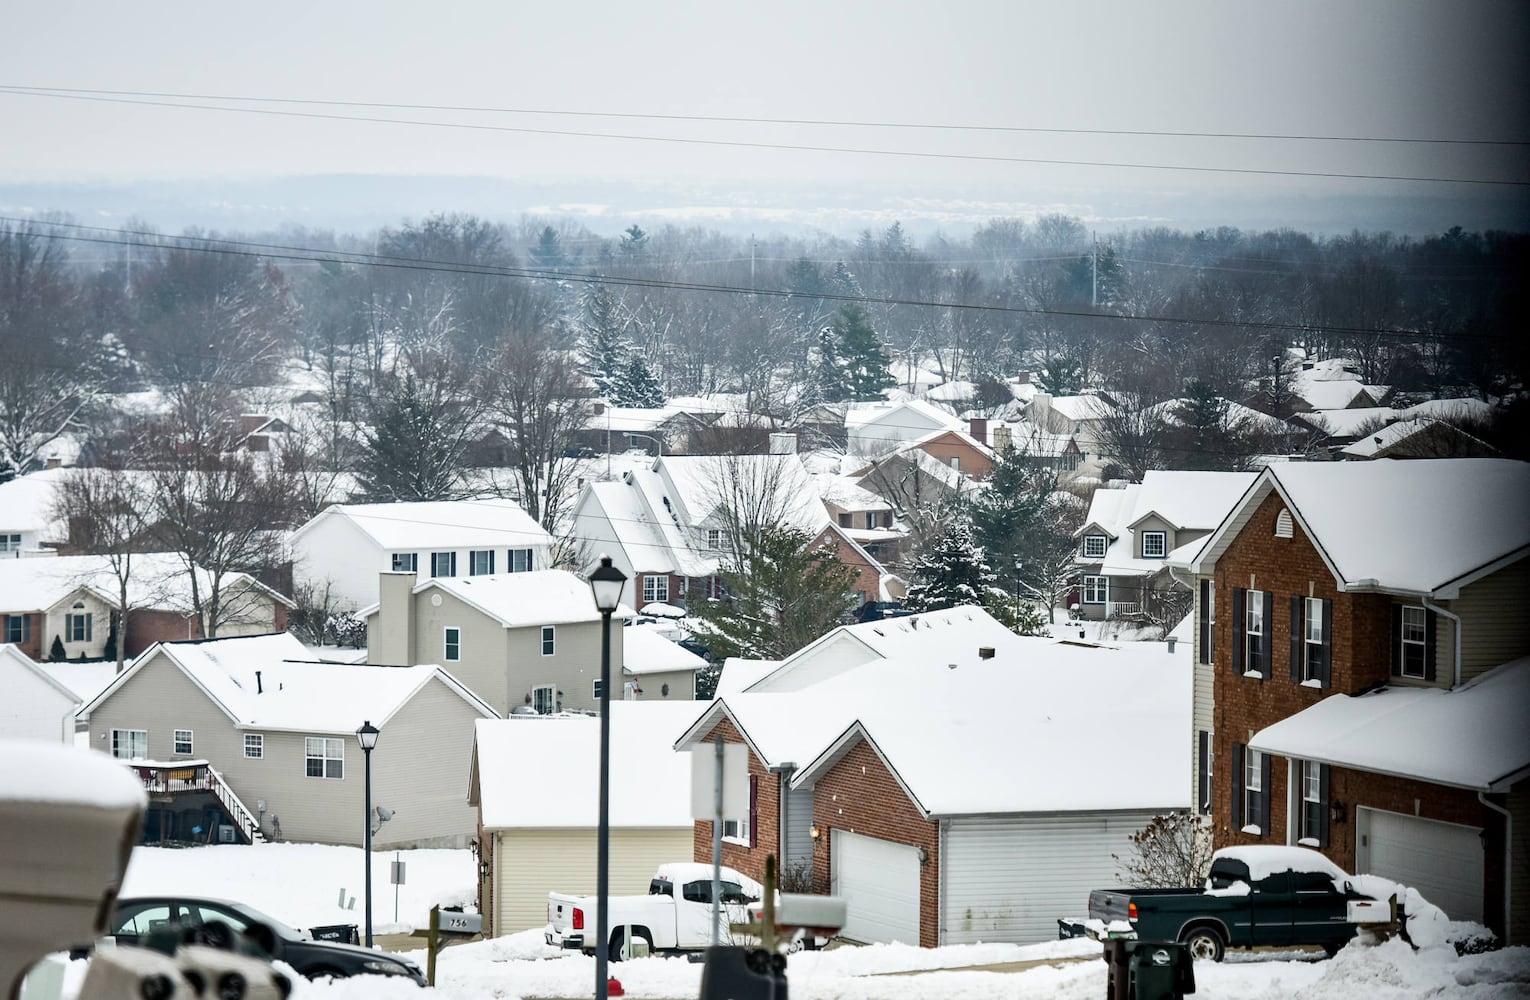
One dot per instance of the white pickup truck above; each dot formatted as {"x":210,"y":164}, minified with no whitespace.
{"x":675,"y":915}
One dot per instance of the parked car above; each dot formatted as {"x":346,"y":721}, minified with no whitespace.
{"x":675,"y":914}
{"x":138,"y":916}
{"x":1258,"y":895}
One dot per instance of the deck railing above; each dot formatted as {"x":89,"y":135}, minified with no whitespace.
{"x":182,"y":776}
{"x":1122,"y":609}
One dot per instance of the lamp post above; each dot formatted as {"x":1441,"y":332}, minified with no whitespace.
{"x":607,"y":582}
{"x":367,"y":737}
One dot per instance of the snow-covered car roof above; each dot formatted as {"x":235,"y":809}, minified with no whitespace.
{"x":1264,"y":860}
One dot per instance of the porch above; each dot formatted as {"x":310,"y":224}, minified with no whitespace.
{"x":190,"y":802}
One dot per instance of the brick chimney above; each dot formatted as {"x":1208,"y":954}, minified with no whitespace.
{"x":978,"y":428}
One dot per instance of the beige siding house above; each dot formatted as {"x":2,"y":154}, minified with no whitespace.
{"x":521,"y":641}
{"x":279,"y":730}
{"x":534,"y":783}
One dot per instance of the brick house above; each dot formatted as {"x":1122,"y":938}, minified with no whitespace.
{"x":890,"y":780}
{"x":1329,"y":581}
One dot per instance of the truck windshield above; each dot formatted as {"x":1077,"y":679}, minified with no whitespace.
{"x":1226,"y":871}
{"x":659,"y":887}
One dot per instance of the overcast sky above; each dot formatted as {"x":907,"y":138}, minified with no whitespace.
{"x":1358,"y":68}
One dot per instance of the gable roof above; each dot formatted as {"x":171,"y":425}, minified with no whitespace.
{"x":444,"y":524}
{"x":644,"y":538}
{"x":518,"y":600}
{"x":26,"y":504}
{"x":1473,"y":736}
{"x":650,"y":781}
{"x":1189,"y":500}
{"x":21,"y":661}
{"x":291,"y":693}
{"x":156,"y":581}
{"x":1390,"y":437}
{"x":1423,"y":526}
{"x":645,"y":650}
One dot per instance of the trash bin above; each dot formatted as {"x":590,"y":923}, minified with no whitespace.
{"x":1158,"y":970}
{"x":1117,"y":967}
{"x":343,"y":933}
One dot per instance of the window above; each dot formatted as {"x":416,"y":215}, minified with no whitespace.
{"x":1251,"y":615}
{"x":1414,"y":639}
{"x":18,"y":628}
{"x":543,"y":700}
{"x":183,"y":742}
{"x":1096,"y":589}
{"x":845,"y":521}
{"x":1203,"y":772}
{"x":737,"y":830}
{"x":481,"y":562}
{"x":548,"y":635}
{"x":1311,"y":636}
{"x":715,"y":535}
{"x":1206,"y":618}
{"x":1153,"y":544}
{"x":10,"y":543}
{"x":77,"y":624}
{"x":406,"y":562}
{"x":1094,"y":546}
{"x":254,"y":745}
{"x":1253,"y":791}
{"x":453,"y":644}
{"x":130,"y":744}
{"x":443,"y":564}
{"x":518,"y":561}
{"x":325,"y":757}
{"x":655,"y":589}
{"x":1314,"y":825}
{"x":742,"y":829}
{"x":1253,"y":635}
{"x":595,"y":689}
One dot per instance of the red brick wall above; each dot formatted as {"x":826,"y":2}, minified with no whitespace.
{"x":767,"y":832}
{"x":867,"y":578}
{"x":145,"y":628}
{"x":947,"y":446}
{"x":860,"y":795}
{"x":33,"y":647}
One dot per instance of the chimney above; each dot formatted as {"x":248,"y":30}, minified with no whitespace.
{"x":1172,"y":641}
{"x":1002,"y":441}
{"x":258,"y":688}
{"x":1024,"y":378}
{"x":390,"y":630}
{"x":978,"y":428}
{"x":985,"y":652}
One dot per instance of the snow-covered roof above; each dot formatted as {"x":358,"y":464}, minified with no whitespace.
{"x":1328,"y":394}
{"x":1424,"y":526}
{"x":86,"y":680}
{"x":12,"y":658}
{"x":1172,"y":412}
{"x":738,"y":673}
{"x":518,"y":600}
{"x":645,"y":650}
{"x":643,"y":538}
{"x":1348,"y":423}
{"x":961,"y":732}
{"x":1389,"y":437}
{"x":1110,"y":510}
{"x":1077,"y":408}
{"x":909,"y":413}
{"x":291,"y":693}
{"x":1473,"y":736}
{"x":157,"y":581}
{"x":444,"y":524}
{"x":26,"y":504}
{"x":847,"y":493}
{"x":1193,"y":500}
{"x":650,"y":781}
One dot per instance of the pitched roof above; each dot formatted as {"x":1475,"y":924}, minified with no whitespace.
{"x":1473,"y":736}
{"x":518,"y":600}
{"x":157,"y":581}
{"x":1189,"y":500}
{"x":26,"y":504}
{"x":291,"y":693}
{"x":645,"y":650}
{"x":18,"y":660}
{"x":650,"y":781}
{"x":1424,"y":526}
{"x":1392,"y":435}
{"x":444,"y":524}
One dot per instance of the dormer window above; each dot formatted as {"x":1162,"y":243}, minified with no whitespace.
{"x":1094,"y":546}
{"x":1283,"y":524}
{"x":1153,"y":544}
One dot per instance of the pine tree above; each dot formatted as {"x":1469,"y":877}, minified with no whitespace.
{"x":829,"y":385}
{"x":635,"y":384}
{"x":601,"y":341}
{"x":56,"y":651}
{"x":953,"y":570}
{"x":634,"y":240}
{"x":862,"y":358}
{"x":547,"y":255}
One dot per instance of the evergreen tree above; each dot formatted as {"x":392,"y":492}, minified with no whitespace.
{"x":952,"y":570}
{"x":829,"y":384}
{"x":56,"y":651}
{"x":634,"y":241}
{"x":1025,"y":523}
{"x":862,"y":358}
{"x":601,"y":341}
{"x":635,"y":384}
{"x":547,"y":255}
{"x":1061,"y":376}
{"x":842,"y":280}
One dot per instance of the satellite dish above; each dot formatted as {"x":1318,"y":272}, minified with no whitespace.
{"x":384,"y":814}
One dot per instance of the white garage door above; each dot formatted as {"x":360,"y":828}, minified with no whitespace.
{"x":879,"y":881}
{"x":1443,"y":861}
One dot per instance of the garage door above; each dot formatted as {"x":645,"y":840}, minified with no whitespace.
{"x":879,"y":881}
{"x":1444,"y":861}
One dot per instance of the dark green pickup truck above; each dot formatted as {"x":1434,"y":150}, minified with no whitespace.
{"x":1255,"y":896}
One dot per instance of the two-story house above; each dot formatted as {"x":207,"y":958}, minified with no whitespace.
{"x":345,"y":546}
{"x":1362,"y":621}
{"x":1129,"y":533}
{"x":522,"y":641}
{"x":669,"y":527}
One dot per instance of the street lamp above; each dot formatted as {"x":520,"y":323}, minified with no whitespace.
{"x":607,"y":582}
{"x":367,"y":737}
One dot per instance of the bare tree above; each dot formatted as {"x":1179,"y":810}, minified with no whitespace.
{"x":1173,"y":850}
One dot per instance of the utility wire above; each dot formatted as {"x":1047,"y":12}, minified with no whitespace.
{"x":794,"y":147}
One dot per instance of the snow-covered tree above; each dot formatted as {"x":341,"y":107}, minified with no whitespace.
{"x":862,"y":357}
{"x":635,"y":384}
{"x":951,"y":571}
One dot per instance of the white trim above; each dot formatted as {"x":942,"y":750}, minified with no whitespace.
{"x":446,"y":643}
{"x":549,"y":638}
{"x":175,"y":742}
{"x":260,"y":745}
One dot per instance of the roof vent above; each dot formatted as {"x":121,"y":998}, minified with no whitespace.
{"x":1283,"y":524}
{"x":985,"y":652}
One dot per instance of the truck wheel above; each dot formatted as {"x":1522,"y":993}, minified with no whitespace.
{"x":1204,"y":944}
{"x":616,"y":953}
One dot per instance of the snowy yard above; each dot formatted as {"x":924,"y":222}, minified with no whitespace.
{"x":302,"y":885}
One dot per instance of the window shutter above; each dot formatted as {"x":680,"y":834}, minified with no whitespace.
{"x":1238,"y":623}
{"x":1397,"y":663}
{"x":1237,"y":786}
{"x":1266,"y":643}
{"x":1204,"y":620}
{"x":1296,"y":639}
{"x":1326,"y":676}
{"x":754,"y":810}
{"x":1203,"y":779}
{"x":1322,"y":830}
{"x":1265,"y":760}
{"x":1430,"y":624}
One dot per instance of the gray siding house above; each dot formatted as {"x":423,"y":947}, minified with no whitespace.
{"x":522,"y":641}
{"x":279,"y":732}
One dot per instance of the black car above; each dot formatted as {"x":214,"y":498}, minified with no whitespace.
{"x":137,"y":917}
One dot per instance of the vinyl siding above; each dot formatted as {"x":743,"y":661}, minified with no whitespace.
{"x":32,"y":708}
{"x":1201,"y":719}
{"x":530,"y":863}
{"x":338,"y":553}
{"x":420,"y":770}
{"x":799,"y":822}
{"x":682,"y":684}
{"x":1010,"y":878}
{"x":483,"y":650}
{"x":1495,"y":628}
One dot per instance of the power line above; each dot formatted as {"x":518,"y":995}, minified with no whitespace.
{"x":38,"y":91}
{"x":794,"y":147}
{"x":302,"y":254}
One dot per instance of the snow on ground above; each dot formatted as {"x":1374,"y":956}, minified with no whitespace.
{"x":300,"y":884}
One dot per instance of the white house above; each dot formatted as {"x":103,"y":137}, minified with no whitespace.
{"x":36,"y":704}
{"x":534,"y":783}
{"x":873,"y":429}
{"x":27,"y":522}
{"x":345,"y":546}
